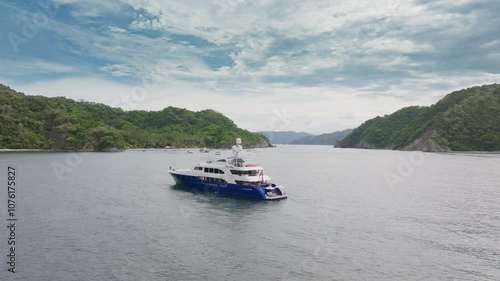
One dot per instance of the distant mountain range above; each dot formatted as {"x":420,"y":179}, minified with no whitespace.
{"x":291,"y":137}
{"x":284,"y":137}
{"x":465,"y":120}
{"x":323,"y":139}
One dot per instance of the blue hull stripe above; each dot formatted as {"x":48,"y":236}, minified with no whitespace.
{"x":256,"y":192}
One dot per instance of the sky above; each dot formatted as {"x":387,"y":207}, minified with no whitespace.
{"x":313,"y":66}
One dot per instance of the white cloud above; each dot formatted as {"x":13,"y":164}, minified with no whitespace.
{"x":329,"y":65}
{"x":119,"y":70}
{"x":83,"y":9}
{"x":117,"y":29}
{"x":17,"y":67}
{"x":266,"y":41}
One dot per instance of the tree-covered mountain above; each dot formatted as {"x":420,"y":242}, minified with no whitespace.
{"x":323,"y":139}
{"x":464,"y":120}
{"x":284,"y":137}
{"x":38,"y":122}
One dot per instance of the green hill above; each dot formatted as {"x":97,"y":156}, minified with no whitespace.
{"x":465,"y":120}
{"x":37,"y":122}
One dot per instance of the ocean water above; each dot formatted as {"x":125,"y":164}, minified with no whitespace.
{"x":351,"y":215}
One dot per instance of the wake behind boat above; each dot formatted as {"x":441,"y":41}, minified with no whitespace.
{"x":231,"y":175}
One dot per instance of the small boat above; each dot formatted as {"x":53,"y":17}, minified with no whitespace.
{"x":232,"y":176}
{"x":204,"y":150}
{"x":217,"y":153}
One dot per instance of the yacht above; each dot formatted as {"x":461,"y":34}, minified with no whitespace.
{"x":232,"y":175}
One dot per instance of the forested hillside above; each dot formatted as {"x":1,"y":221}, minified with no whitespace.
{"x":464,"y":120}
{"x":37,"y":122}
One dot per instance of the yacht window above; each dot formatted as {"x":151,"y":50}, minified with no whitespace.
{"x":214,"y":180}
{"x":238,"y":162}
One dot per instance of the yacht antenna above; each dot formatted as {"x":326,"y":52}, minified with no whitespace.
{"x":236,"y":149}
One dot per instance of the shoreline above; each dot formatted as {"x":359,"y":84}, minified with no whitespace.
{"x":25,"y":150}
{"x":78,"y":151}
{"x":2,"y":150}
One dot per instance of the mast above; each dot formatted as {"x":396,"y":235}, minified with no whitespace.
{"x":236,"y":149}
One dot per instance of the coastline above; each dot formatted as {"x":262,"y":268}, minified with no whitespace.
{"x":13,"y":150}
{"x":24,"y":150}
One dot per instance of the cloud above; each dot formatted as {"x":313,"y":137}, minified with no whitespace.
{"x":324,"y":62}
{"x":306,"y":44}
{"x":25,"y":67}
{"x":266,"y":42}
{"x":117,"y":29}
{"x":118,"y":70}
{"x":84,"y":10}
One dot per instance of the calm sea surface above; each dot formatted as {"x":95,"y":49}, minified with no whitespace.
{"x":350,"y":215}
